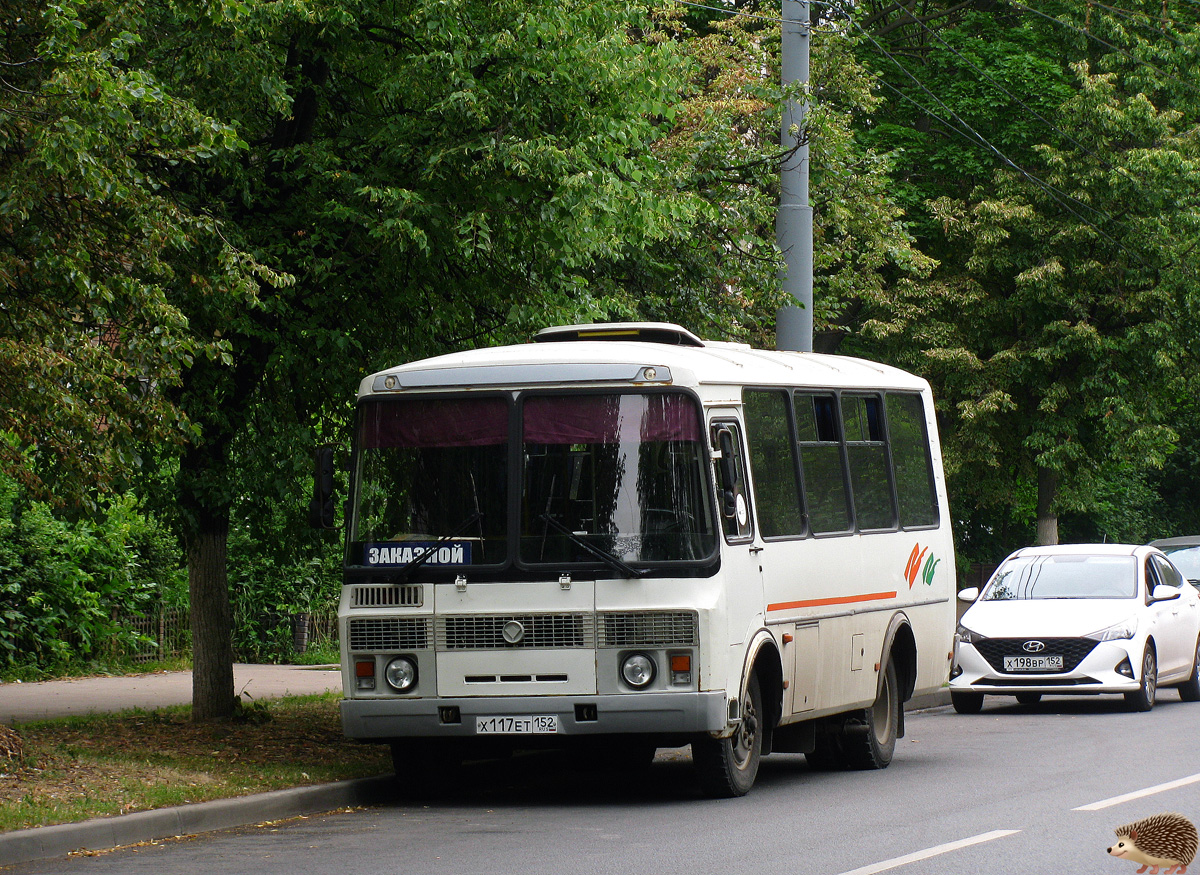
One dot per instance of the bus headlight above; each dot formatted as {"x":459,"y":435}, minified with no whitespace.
{"x":401,"y":674}
{"x":638,"y":670}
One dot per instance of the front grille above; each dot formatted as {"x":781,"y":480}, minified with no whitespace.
{"x":540,"y":631}
{"x":391,"y":633}
{"x":1073,"y":650}
{"x":386,"y":596}
{"x":648,"y":629}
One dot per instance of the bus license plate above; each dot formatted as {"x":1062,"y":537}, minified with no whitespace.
{"x":537,"y":724}
{"x":1033,"y":663}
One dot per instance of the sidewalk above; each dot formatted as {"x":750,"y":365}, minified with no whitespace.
{"x":20,"y":703}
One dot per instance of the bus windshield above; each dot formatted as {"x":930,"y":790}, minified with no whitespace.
{"x":611,"y":482}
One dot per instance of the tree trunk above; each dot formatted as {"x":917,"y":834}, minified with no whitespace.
{"x":212,"y":619}
{"x":1047,"y":519}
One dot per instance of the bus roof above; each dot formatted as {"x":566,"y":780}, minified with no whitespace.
{"x":633,"y":354}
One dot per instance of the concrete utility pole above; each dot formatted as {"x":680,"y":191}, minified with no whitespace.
{"x":793,"y":225}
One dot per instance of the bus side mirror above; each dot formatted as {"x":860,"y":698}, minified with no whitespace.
{"x":320,"y":508}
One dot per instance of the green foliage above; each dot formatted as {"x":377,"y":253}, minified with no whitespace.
{"x":1050,"y":327}
{"x":89,"y":238}
{"x":64,"y":583}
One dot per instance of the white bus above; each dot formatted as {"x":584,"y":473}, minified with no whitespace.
{"x":626,"y":536}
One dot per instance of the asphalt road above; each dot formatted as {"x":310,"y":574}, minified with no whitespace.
{"x":1013,"y":789}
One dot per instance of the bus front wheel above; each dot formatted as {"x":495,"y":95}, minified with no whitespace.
{"x":727,"y":767}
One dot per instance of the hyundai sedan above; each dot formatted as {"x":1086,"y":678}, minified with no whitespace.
{"x":1078,"y":619}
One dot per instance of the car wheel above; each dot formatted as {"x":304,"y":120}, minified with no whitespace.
{"x":967,"y":703}
{"x":1189,"y":690}
{"x":1143,"y":698}
{"x":1029,"y":698}
{"x":727,"y":767}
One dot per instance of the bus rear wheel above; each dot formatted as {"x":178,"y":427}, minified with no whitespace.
{"x":727,"y":767}
{"x":870,"y":736}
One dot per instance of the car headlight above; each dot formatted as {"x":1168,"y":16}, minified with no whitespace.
{"x":963,"y":635}
{"x":1127,"y":628}
{"x":638,"y":670}
{"x":401,"y":674}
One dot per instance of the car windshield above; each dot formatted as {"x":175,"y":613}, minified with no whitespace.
{"x":1186,"y":559}
{"x":1064,"y":577}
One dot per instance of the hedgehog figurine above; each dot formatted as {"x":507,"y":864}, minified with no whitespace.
{"x":1164,"y":841}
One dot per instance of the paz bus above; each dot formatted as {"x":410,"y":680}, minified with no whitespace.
{"x":624,"y":536}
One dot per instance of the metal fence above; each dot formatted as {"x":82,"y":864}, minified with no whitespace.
{"x":165,"y":633}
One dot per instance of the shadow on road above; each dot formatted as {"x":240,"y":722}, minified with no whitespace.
{"x":551,"y":778}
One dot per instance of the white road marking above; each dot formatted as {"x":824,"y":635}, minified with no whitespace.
{"x":931,"y":852}
{"x":1138,"y":794}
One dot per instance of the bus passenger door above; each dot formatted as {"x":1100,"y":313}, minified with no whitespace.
{"x":740,"y":563}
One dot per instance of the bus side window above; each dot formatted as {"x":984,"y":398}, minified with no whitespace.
{"x":731,"y":482}
{"x":772,"y":453}
{"x":909,"y":441}
{"x":867,"y":455}
{"x":821,"y":463}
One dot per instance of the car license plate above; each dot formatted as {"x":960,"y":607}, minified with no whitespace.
{"x":537,"y":724}
{"x":1033,"y":663}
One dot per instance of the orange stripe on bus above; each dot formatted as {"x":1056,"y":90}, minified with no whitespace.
{"x":843,"y":600}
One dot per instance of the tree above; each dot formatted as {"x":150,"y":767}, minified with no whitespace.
{"x":429,"y":176}
{"x":1071,"y":276}
{"x":88,"y":338}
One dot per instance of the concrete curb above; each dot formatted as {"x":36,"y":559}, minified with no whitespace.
{"x":24,"y":846}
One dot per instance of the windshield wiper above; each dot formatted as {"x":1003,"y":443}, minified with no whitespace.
{"x":601,"y":554}
{"x":401,"y":574}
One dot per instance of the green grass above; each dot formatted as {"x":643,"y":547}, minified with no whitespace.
{"x":100,"y":765}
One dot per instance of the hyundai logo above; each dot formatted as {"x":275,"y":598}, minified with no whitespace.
{"x":513,"y":632}
{"x":1033,"y":646}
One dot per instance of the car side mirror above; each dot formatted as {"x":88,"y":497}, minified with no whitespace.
{"x":1164,"y":593}
{"x":969,"y":594}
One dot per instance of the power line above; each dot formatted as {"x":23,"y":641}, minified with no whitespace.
{"x":755,"y":15}
{"x":1058,"y":196}
{"x":1012,"y":97}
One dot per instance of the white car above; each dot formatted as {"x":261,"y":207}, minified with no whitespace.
{"x":1078,"y":619}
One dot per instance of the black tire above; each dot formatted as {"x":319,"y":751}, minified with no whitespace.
{"x":1189,"y":690}
{"x":870,"y":735}
{"x":1143,"y":698}
{"x":727,"y":767}
{"x":1029,"y":698}
{"x":967,"y":703}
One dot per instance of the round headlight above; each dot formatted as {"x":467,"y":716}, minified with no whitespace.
{"x":638,"y":670}
{"x":401,"y":674}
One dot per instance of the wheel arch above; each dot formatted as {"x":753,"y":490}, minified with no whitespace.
{"x":900,"y":645}
{"x":763,"y":659}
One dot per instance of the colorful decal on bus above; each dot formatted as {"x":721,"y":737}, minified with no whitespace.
{"x":914,"y":569}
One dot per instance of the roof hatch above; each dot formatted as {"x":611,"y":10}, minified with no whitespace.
{"x":646,"y":332}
